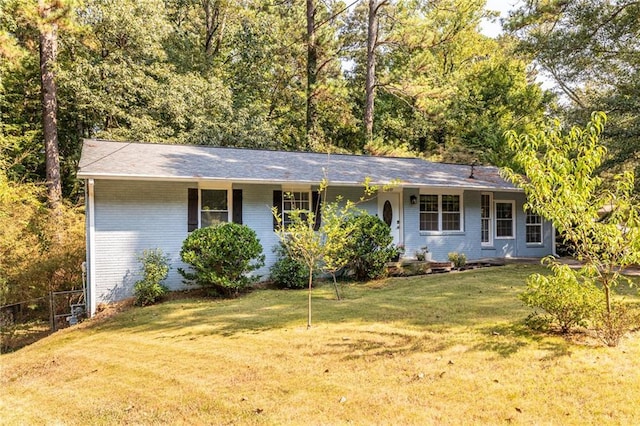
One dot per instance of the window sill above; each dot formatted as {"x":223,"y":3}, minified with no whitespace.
{"x":440,"y":233}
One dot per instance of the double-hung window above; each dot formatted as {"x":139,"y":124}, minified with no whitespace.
{"x":441,"y":212}
{"x":214,"y":207}
{"x":505,"y":219}
{"x":209,"y":206}
{"x":294,"y":200}
{"x":534,"y":228}
{"x":486,"y":218}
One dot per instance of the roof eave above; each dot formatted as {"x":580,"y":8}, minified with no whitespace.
{"x":199,"y":179}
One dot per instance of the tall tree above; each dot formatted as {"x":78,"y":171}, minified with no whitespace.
{"x":49,"y":13}
{"x":589,"y":49}
{"x":312,"y":69}
{"x":370,"y":82}
{"x":441,"y":88}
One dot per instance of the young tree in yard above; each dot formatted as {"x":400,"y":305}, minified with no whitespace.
{"x":337,"y":229}
{"x":323,"y":244}
{"x":600,"y":218}
{"x":302,"y":242}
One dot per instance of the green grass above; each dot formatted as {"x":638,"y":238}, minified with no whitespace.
{"x":437,"y":349}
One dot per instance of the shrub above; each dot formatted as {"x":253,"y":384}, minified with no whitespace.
{"x":288,"y":272}
{"x":369,"y":247}
{"x":611,"y":326}
{"x":569,"y":298}
{"x":221,"y":257}
{"x":458,"y":259}
{"x":155,"y":268}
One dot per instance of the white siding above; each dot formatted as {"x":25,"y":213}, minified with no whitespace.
{"x":257,"y":202}
{"x":132,"y":216}
{"x":468,"y":241}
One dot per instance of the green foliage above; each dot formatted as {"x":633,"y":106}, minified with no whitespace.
{"x":222,"y":257}
{"x":562,"y":186}
{"x":568,"y":297}
{"x":302,"y":243}
{"x":459,"y":260}
{"x":288,"y":271}
{"x":234,"y":74}
{"x":612,"y":326}
{"x":369,"y":247}
{"x":38,"y":253}
{"x":155,"y":268}
{"x":332,"y":247}
{"x":588,"y":49}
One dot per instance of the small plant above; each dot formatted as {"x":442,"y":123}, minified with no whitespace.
{"x":570,"y":299}
{"x":421,"y":254}
{"x":459,"y":260}
{"x":288,"y":272}
{"x":538,"y":322}
{"x":222,"y":257}
{"x":611,"y":326}
{"x":397,"y":253}
{"x":155,"y":268}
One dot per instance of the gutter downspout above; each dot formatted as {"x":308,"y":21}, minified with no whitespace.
{"x":91,"y":246}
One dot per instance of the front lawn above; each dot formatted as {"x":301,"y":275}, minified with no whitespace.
{"x":436,"y":349}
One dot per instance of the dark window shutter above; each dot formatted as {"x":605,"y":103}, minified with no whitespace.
{"x":237,"y":206}
{"x":316,"y":203}
{"x":192,"y":210}
{"x":277,"y":203}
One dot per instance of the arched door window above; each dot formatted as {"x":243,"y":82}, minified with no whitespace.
{"x":387,"y":213}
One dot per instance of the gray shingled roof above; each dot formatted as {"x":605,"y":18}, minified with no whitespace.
{"x":127,"y":160}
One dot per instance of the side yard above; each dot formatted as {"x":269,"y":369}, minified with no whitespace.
{"x":445,"y":349}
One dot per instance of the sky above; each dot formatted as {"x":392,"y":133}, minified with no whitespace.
{"x":493,"y":29}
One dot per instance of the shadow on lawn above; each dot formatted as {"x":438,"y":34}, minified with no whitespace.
{"x":508,"y":339}
{"x":433,"y":310}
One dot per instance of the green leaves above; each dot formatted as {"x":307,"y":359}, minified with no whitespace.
{"x":222,"y":257}
{"x":600,"y":219}
{"x":560,"y":181}
{"x":568,"y":297}
{"x":589,"y":49}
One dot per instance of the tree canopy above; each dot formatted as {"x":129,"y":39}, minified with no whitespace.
{"x":243,"y":74}
{"x":589,"y":48}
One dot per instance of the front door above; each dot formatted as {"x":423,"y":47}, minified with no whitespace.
{"x":389,"y":212}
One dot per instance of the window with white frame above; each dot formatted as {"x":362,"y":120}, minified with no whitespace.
{"x":429,"y":213}
{"x":294,"y":200}
{"x":214,"y":207}
{"x":486,"y":219}
{"x":440,"y":212}
{"x":505,"y":219}
{"x":533,"y":228}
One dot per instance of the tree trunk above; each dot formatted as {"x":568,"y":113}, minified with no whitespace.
{"x":309,"y":301}
{"x":312,"y":72}
{"x":370,"y":89}
{"x":215,"y":20}
{"x":48,"y":51}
